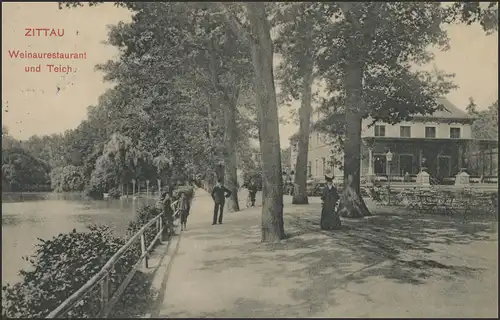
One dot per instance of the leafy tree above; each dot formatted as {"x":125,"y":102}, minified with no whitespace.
{"x":190,"y":27}
{"x":223,"y":69}
{"x":163,"y":165}
{"x":50,"y":148}
{"x":156,"y":112}
{"x":67,"y":179}
{"x":298,"y":26}
{"x":471,"y":108}
{"x":152,"y":53}
{"x":128,"y":158}
{"x":103,"y":177}
{"x":24,"y":172}
{"x":366,"y":68}
{"x":8,"y":142}
{"x":486,"y":124}
{"x":120,"y":162}
{"x":484,"y":13}
{"x":255,"y":29}
{"x":285,"y":159}
{"x":366,"y":65}
{"x":89,"y":163}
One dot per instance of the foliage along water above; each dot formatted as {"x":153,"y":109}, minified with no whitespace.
{"x":29,"y":216}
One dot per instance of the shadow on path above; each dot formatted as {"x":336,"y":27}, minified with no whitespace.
{"x":357,"y":270}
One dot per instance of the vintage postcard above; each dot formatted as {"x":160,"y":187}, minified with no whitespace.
{"x":249,"y":159}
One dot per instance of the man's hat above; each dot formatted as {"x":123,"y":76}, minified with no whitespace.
{"x":329,"y":177}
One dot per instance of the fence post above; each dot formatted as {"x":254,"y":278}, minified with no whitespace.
{"x":163,"y":231}
{"x":159,"y":224}
{"x":104,"y":293}
{"x":143,"y":250}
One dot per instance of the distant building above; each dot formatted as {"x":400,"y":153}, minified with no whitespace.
{"x":440,"y":141}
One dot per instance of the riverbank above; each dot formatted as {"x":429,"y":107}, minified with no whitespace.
{"x":42,"y":195}
{"x":46,"y":215}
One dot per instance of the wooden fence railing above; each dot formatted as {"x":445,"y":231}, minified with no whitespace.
{"x":103,"y":276}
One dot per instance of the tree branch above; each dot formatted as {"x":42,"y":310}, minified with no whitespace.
{"x":236,"y":24}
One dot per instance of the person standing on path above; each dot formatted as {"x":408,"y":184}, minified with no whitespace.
{"x":330,"y":219}
{"x":166,"y":201}
{"x":252,"y":191}
{"x":219,"y":195}
{"x":184,"y":210}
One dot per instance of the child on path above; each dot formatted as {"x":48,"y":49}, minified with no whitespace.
{"x":184,"y":210}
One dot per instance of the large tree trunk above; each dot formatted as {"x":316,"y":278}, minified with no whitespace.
{"x":300,"y":186}
{"x":272,"y":184}
{"x":215,"y":106}
{"x":230,"y":173}
{"x":352,"y":204}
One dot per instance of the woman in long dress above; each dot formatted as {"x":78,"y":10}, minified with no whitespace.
{"x":330,"y":219}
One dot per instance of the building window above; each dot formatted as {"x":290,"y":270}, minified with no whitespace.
{"x":455,"y":133}
{"x":323,"y":167}
{"x":318,"y":141}
{"x":430,"y":132}
{"x":309,"y":169}
{"x":316,"y":167}
{"x":379,"y":131}
{"x":405,"y":132}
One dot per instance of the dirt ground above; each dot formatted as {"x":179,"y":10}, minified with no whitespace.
{"x":394,"y":264}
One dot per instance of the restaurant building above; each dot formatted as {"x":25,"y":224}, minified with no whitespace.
{"x":441,"y":142}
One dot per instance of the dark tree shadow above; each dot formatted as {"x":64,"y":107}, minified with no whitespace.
{"x":138,"y":298}
{"x":400,"y":247}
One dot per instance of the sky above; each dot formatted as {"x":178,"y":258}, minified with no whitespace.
{"x":48,"y":102}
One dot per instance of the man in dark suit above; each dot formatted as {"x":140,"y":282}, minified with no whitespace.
{"x":219,"y":194}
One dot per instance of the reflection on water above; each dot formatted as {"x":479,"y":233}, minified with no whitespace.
{"x":44,"y":216}
{"x":33,"y":196}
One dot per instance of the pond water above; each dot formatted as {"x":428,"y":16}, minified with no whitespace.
{"x":29,"y":216}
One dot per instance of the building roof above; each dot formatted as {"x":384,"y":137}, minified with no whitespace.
{"x":450,"y":111}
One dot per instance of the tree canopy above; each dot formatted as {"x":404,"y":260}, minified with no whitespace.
{"x":485,"y":126}
{"x":179,"y":69}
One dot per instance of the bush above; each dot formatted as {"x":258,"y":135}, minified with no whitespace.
{"x":143,"y":216}
{"x":64,"y":264}
{"x":67,"y":179}
{"x":92,"y":193}
{"x":22,"y":171}
{"x":114,"y":193}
